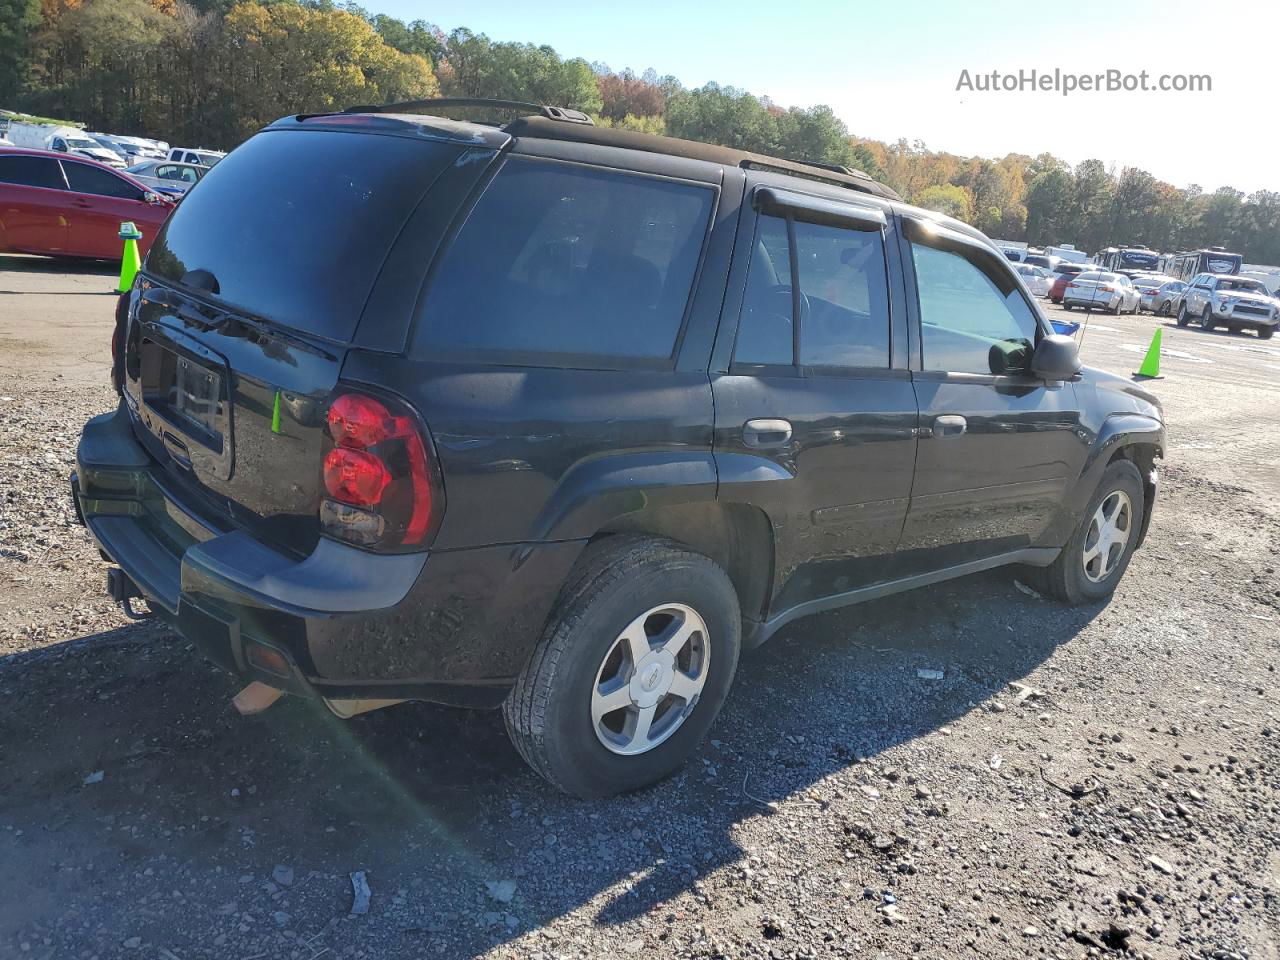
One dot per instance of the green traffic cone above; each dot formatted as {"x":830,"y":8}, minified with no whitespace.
{"x":1151,"y":362}
{"x":129,"y":260}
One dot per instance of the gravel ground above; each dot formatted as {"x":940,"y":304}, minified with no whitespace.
{"x":1091,"y":781}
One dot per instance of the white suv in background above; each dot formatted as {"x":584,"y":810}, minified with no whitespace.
{"x":197,"y":155}
{"x":1229,"y":301}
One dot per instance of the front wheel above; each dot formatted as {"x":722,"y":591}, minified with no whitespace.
{"x":632,"y":668}
{"x":1115,"y":311}
{"x":1095,"y":558}
{"x":1183,"y":317}
{"x":1265,"y":333}
{"x":1206,"y":319}
{"x":1066,"y":306}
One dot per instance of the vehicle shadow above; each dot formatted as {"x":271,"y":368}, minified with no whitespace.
{"x":436,"y":804}
{"x":25,"y":263}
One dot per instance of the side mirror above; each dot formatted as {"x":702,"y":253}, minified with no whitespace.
{"x":149,"y":197}
{"x":1056,"y":358}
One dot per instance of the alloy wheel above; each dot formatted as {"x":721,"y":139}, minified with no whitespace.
{"x":650,"y":679}
{"x":1107,"y":536}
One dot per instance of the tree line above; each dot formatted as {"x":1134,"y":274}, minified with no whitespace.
{"x":211,"y":72}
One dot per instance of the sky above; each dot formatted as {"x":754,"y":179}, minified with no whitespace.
{"x":891,"y":69}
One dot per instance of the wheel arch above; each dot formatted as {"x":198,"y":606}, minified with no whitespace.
{"x":738,"y":537}
{"x":1135,"y":437}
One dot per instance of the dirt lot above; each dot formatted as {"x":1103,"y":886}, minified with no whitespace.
{"x":1081,"y":782}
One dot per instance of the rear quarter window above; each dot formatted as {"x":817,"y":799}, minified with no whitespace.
{"x":560,"y":264}
{"x":293,"y":226}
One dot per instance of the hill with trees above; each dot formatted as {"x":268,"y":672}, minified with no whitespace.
{"x":211,"y":72}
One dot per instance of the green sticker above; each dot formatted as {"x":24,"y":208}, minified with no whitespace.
{"x":275,"y":414}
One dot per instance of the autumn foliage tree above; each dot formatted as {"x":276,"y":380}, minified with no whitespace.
{"x":211,"y":72}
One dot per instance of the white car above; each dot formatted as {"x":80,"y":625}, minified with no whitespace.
{"x":197,"y":155}
{"x":1100,"y":290}
{"x":1037,"y":279}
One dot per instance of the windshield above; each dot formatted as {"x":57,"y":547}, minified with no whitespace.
{"x":1248,"y":286}
{"x":83,"y":143}
{"x":319,"y":233}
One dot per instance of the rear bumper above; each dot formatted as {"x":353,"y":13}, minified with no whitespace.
{"x":453,"y":626}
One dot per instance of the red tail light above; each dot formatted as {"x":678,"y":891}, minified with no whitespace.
{"x":355,"y":477}
{"x":382,"y":489}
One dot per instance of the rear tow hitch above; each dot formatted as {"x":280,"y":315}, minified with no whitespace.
{"x":124,"y":591}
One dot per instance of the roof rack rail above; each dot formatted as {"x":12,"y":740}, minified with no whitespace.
{"x":822,"y":172}
{"x":541,"y":109}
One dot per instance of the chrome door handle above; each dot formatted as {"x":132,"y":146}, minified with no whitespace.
{"x":949,"y":425}
{"x":762,"y":434}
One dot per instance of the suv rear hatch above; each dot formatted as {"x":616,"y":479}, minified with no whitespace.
{"x":252,"y":295}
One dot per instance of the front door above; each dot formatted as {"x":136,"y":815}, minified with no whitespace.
{"x":815,"y":419}
{"x":998,"y":446}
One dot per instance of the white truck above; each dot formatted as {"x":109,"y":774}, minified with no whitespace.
{"x":62,"y":138}
{"x":1067,"y":251}
{"x":1015,"y":250}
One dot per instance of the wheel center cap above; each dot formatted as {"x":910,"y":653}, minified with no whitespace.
{"x":652,"y":679}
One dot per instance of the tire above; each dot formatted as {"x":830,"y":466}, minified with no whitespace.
{"x":1183,"y":318}
{"x":550,"y":712}
{"x":1115,"y":311}
{"x":1266,"y":333}
{"x":1066,"y":578}
{"x":1066,"y":306}
{"x":1206,"y":319}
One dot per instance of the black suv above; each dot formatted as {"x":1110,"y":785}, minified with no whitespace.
{"x":559,"y":419}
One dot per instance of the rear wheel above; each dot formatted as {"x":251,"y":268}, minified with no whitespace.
{"x":633,"y":666}
{"x":1183,"y":318}
{"x":1095,"y":558}
{"x":1115,"y":311}
{"x":1265,"y":333}
{"x":1206,"y":318}
{"x":1066,"y":306}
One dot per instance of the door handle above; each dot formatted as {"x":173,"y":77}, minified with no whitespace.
{"x":762,"y":434}
{"x":949,"y":425}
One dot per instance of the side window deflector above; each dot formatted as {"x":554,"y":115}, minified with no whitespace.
{"x":804,"y":207}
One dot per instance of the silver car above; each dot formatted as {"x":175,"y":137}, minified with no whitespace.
{"x":1164,"y":301}
{"x":173,"y":179}
{"x":1148,"y":286}
{"x":1098,"y":290}
{"x":1224,"y":300}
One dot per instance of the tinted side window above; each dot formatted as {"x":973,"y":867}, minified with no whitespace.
{"x":576,"y":262}
{"x":32,"y":172}
{"x":844,"y":303}
{"x":86,"y":179}
{"x":973,"y":318}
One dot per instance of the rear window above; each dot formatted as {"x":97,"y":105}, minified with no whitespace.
{"x":28,"y":171}
{"x":294,"y":226}
{"x":573,"y":265}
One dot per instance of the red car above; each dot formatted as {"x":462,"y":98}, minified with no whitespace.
{"x":1066,"y":273}
{"x":58,"y":205}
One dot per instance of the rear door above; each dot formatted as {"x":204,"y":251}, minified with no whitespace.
{"x":33,"y":204}
{"x":100,"y":201}
{"x":998,"y":446}
{"x":815,"y":415}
